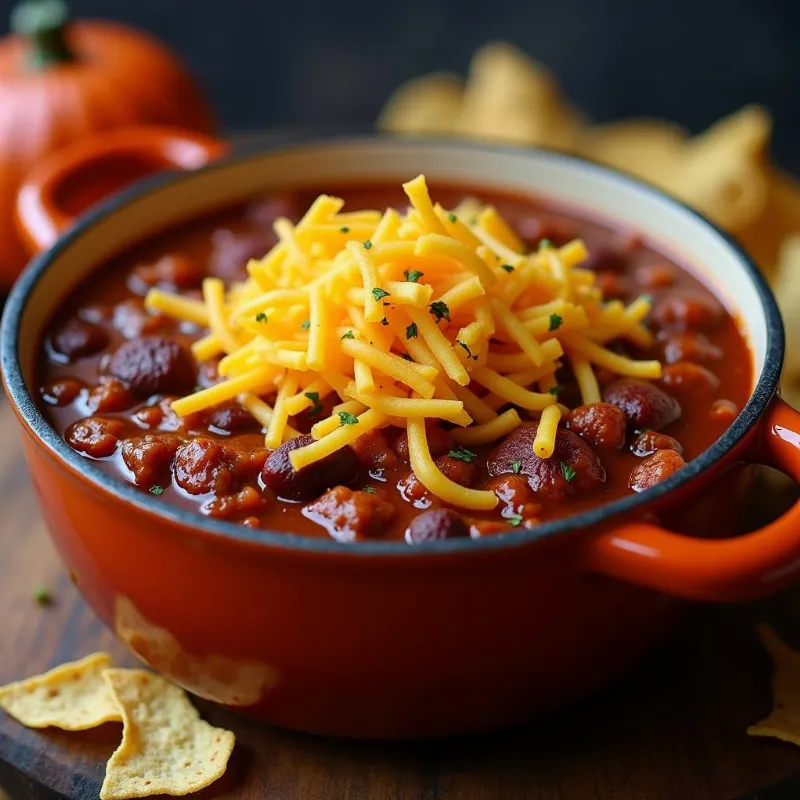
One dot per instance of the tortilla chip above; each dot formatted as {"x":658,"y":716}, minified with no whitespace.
{"x":73,"y":697}
{"x":784,"y":721}
{"x":429,"y":104}
{"x":166,"y":748}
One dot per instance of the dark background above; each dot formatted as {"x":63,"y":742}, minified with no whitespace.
{"x":315,"y":62}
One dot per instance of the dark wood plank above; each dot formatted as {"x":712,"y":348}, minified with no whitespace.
{"x":674,"y":730}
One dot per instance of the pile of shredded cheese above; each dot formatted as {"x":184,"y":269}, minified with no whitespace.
{"x":433,"y":314}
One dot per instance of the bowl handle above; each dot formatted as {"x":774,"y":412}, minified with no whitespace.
{"x":71,"y":180}
{"x":721,"y":570}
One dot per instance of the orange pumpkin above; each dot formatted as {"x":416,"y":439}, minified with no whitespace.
{"x":61,"y":80}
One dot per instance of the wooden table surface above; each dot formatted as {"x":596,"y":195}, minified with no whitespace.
{"x":673,"y":730}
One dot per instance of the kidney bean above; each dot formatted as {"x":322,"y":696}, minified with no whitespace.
{"x":232,"y":251}
{"x":605,"y":259}
{"x":149,"y":457}
{"x":688,"y":377}
{"x":686,"y":310}
{"x":97,"y":437}
{"x":153,"y":365}
{"x":645,"y":405}
{"x":223,"y":419}
{"x":176,"y":271}
{"x":246,"y":501}
{"x":655,"y":276}
{"x":515,"y":495}
{"x":77,"y":339}
{"x":723,"y":411}
{"x":110,"y":395}
{"x":655,"y":469}
{"x":573,"y":467}
{"x":341,"y":467}
{"x":691,"y":347}
{"x":436,"y":524}
{"x":373,"y":451}
{"x":61,"y":392}
{"x":264,"y":212}
{"x":647,"y":442}
{"x":131,"y":319}
{"x":349,"y":515}
{"x":440,"y":442}
{"x":613,"y":286}
{"x":600,"y":424}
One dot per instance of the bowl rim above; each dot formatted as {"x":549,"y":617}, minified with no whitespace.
{"x":28,"y":410}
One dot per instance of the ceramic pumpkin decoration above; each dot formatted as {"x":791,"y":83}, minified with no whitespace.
{"x":61,"y":80}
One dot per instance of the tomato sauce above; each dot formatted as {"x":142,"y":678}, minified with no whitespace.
{"x":214,"y":462}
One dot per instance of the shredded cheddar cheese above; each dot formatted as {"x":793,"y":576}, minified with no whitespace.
{"x":431,"y":314}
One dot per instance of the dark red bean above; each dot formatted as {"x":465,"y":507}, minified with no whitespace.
{"x":341,"y":467}
{"x":110,"y":395}
{"x":688,"y":377}
{"x":131,"y":319}
{"x":373,"y":451}
{"x":153,"y":365}
{"x":691,"y":347}
{"x":95,"y":436}
{"x":573,"y":467}
{"x":614,"y":286}
{"x":149,"y":457}
{"x":655,"y":469}
{"x":655,"y":276}
{"x":645,"y":405}
{"x":515,"y":495}
{"x":264,"y":212}
{"x":436,"y":524}
{"x":349,"y":515}
{"x":77,"y":339}
{"x":176,"y":271}
{"x":605,"y":259}
{"x":232,"y":250}
{"x":600,"y":424}
{"x":61,"y":392}
{"x":723,"y":411}
{"x":647,"y":442}
{"x":223,"y":419}
{"x":686,"y":310}
{"x":440,"y":442}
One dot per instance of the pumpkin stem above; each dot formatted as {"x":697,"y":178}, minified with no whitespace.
{"x":44,"y":24}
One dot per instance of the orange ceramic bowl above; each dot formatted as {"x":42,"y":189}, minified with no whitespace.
{"x":381,"y":639}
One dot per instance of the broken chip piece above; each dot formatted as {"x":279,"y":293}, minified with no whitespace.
{"x":166,"y":748}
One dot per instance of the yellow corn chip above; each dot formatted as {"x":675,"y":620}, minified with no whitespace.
{"x":72,"y":697}
{"x":784,"y":721}
{"x":166,"y":748}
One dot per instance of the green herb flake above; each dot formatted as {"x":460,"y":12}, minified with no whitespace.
{"x":452,"y":217}
{"x":516,"y":467}
{"x":647,"y":298}
{"x":440,"y":310}
{"x":369,"y":490}
{"x":567,"y":471}
{"x":413,"y":276}
{"x":544,"y":244}
{"x":157,"y":490}
{"x":468,"y":351}
{"x":344,"y":229}
{"x":306,"y":324}
{"x":384,"y":321}
{"x":411,"y":331}
{"x":462,"y":454}
{"x":555,"y":322}
{"x":42,"y":596}
{"x":379,"y":293}
{"x":316,"y":409}
{"x":348,"y":335}
{"x":516,"y":520}
{"x":367,"y":244}
{"x":347,"y":418}
{"x":555,"y":390}
{"x":507,"y":267}
{"x":261,"y":317}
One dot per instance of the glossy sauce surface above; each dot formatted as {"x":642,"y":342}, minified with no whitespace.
{"x":212,"y":462}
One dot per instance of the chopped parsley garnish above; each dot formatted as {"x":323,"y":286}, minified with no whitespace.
{"x":348,"y":335}
{"x":306,"y":324}
{"x":369,"y":490}
{"x":440,"y":310}
{"x":411,"y":331}
{"x":413,"y":276}
{"x":367,"y":244}
{"x":507,"y":267}
{"x":316,"y":409}
{"x":261,"y":317}
{"x":452,"y":218}
{"x":157,"y":490}
{"x":567,"y":471}
{"x":379,"y":293}
{"x":516,"y":520}
{"x":462,"y":454}
{"x":41,"y":594}
{"x":384,"y":321}
{"x":544,"y":244}
{"x":555,"y":390}
{"x":466,"y":347}
{"x":555,"y":322}
{"x":347,"y":418}
{"x":648,"y":298}
{"x":344,"y":229}
{"x":516,"y":467}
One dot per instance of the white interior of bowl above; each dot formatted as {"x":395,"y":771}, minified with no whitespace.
{"x":584,"y":186}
